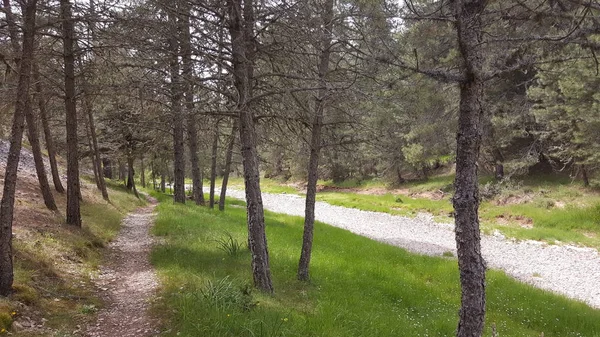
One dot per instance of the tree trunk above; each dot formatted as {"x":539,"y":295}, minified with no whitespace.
{"x":499,"y":171}
{"x":192,"y":128}
{"x":38,"y":158}
{"x":131,"y":176}
{"x":466,"y":197}
{"x":584,"y":176}
{"x":47,"y":133}
{"x":311,"y":192}
{"x":315,"y":142}
{"x":227,"y":168}
{"x":14,"y":153}
{"x":176,"y":94}
{"x":399,"y":176}
{"x":499,"y":166}
{"x":96,"y":159}
{"x":73,"y":190}
{"x":163,"y":182}
{"x":153,"y":175}
{"x":142,"y":172}
{"x":107,"y":168}
{"x":91,"y":151}
{"x":130,"y":173}
{"x":213,"y":166}
{"x":122,"y":173}
{"x":241,"y":29}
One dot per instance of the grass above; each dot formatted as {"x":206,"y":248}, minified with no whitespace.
{"x":387,"y":292}
{"x":53,"y":263}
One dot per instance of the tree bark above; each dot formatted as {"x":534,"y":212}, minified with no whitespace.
{"x":176,"y":95}
{"x":192,"y":128}
{"x":122,"y":173}
{"x":213,"y":166}
{"x":241,"y":29}
{"x":107,"y":168}
{"x":47,"y":133}
{"x":10,"y":176}
{"x":466,"y":198}
{"x":153,"y":174}
{"x":38,"y":158}
{"x":130,"y":172}
{"x":97,"y":160}
{"x":315,"y":143}
{"x":131,"y":176}
{"x":227,"y":168}
{"x":163,"y":181}
{"x":584,"y":176}
{"x":73,"y":189}
{"x":142,"y":172}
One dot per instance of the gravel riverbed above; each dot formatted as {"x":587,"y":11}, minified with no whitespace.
{"x":568,"y":270}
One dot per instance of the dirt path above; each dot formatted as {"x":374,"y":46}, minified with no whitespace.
{"x":128,"y":281}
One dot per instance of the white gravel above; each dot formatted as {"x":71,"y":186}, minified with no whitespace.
{"x":568,"y":270}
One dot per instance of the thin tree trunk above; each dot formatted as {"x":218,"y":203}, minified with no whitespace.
{"x":192,"y":128}
{"x":122,"y":173}
{"x":227,"y":168}
{"x":176,"y":95}
{"x":143,"y":172}
{"x":73,"y":190}
{"x":241,"y":29}
{"x":91,"y":150}
{"x":131,"y":176}
{"x":130,"y":172}
{"x":153,"y":175}
{"x":466,"y":197}
{"x":213,"y":166}
{"x":14,"y":153}
{"x":38,"y":158}
{"x":107,"y":168}
{"x":163,"y":181}
{"x":47,"y":133}
{"x":584,"y":176}
{"x":96,"y":159}
{"x":315,"y":145}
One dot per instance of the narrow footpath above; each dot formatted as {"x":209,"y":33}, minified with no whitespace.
{"x":127,"y":282}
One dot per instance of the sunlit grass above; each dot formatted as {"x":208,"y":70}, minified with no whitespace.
{"x":359,"y":287}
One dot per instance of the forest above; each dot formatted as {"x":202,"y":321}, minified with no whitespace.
{"x":387,"y":118}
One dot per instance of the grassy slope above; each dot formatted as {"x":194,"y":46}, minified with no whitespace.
{"x":359,"y":287}
{"x":553,"y":209}
{"x":53,"y":263}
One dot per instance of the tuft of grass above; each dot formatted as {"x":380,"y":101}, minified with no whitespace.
{"x":387,"y":292}
{"x":230,"y":245}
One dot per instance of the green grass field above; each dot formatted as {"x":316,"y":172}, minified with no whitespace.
{"x":359,"y":287}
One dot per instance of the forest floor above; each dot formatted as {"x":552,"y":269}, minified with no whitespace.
{"x":128,"y":282}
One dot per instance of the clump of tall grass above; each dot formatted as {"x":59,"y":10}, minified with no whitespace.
{"x":230,"y":245}
{"x":224,"y":294}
